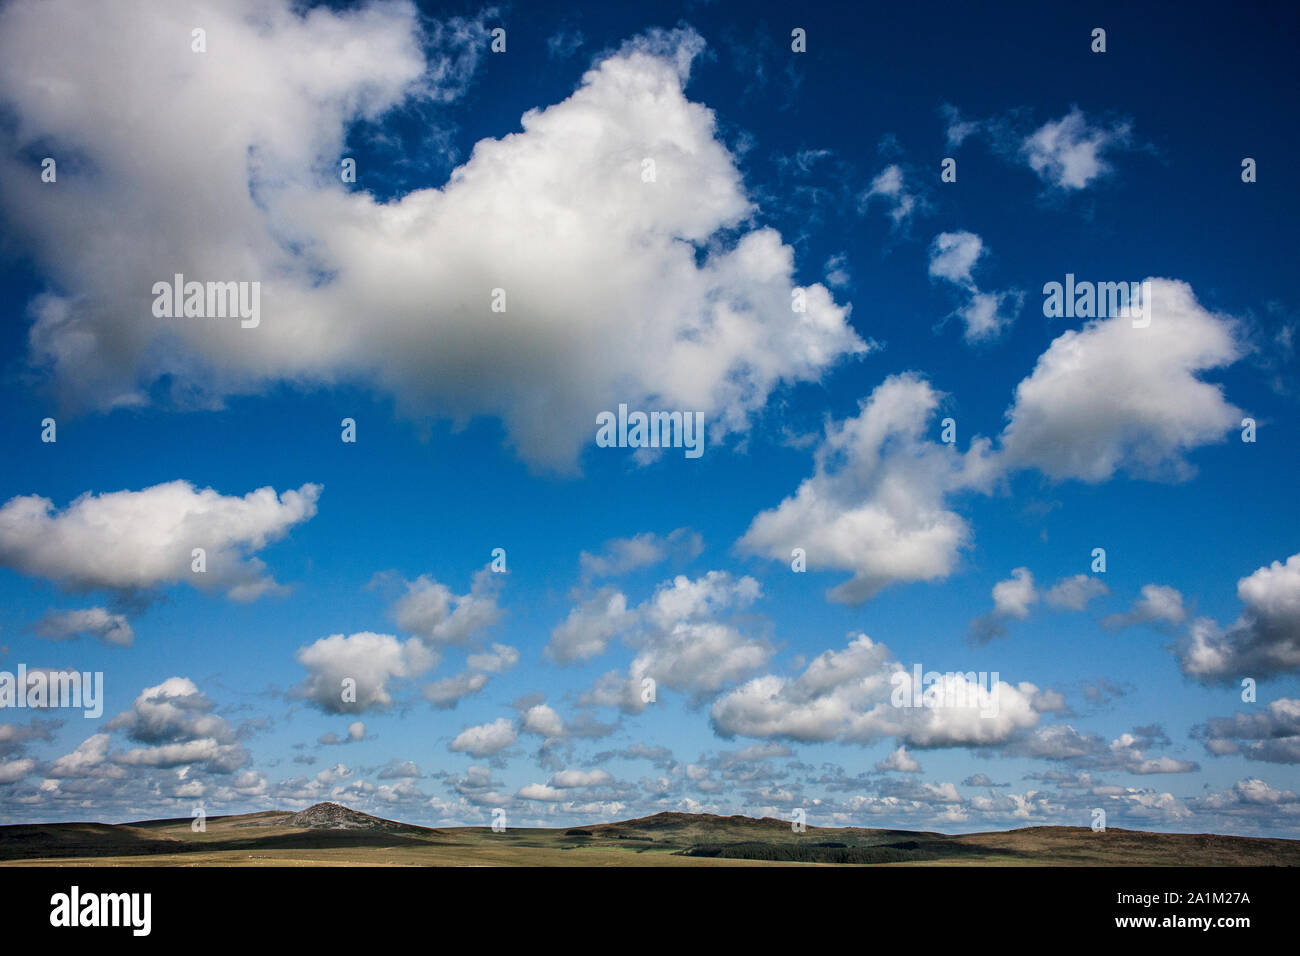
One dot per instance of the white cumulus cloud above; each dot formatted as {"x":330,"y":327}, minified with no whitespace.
{"x":225,"y":166}
{"x":131,"y":541}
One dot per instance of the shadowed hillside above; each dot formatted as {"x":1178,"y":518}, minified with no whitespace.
{"x":329,"y":834}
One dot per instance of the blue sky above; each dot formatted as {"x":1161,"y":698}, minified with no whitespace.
{"x":774,"y":172}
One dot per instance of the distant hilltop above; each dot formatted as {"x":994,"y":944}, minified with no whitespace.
{"x":333,"y":816}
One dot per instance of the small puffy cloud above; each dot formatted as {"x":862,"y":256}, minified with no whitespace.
{"x":176,"y":723}
{"x":542,"y":793}
{"x":856,"y":696}
{"x":567,"y":779}
{"x":1265,"y":640}
{"x":132,"y":541}
{"x":89,"y":759}
{"x":685,"y":599}
{"x":1068,"y":153}
{"x":400,"y":770}
{"x":1111,"y":397}
{"x":441,"y":618}
{"x":564,"y":43}
{"x":1013,"y":597}
{"x":900,"y":761}
{"x":698,"y":657}
{"x":1074,"y":593}
{"x":207,"y":752}
{"x":14,"y":738}
{"x":450,"y":691}
{"x":986,"y":314}
{"x":957,"y":129}
{"x":367,"y":662}
{"x":97,"y":622}
{"x":485,"y":740}
{"x":12,"y":771}
{"x":1103,"y":690}
{"x":333,"y":775}
{"x":1011,"y":600}
{"x":876,"y":504}
{"x":953,"y":257}
{"x":1158,"y":604}
{"x":683,"y":645}
{"x":356,"y":731}
{"x":542,"y":720}
{"x":1055,"y":742}
{"x":1050,"y":701}
{"x":837,"y":271}
{"x":1128,"y":753}
{"x":173,"y":710}
{"x":496,"y":660}
{"x":1247,"y":798}
{"x":889,"y":188}
{"x":590,"y":626}
{"x":622,"y":555}
{"x":1272,"y":736}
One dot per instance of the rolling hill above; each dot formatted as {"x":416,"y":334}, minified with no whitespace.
{"x":328,"y":834}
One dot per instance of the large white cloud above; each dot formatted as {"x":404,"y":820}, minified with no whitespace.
{"x":1111,"y":397}
{"x":136,"y":540}
{"x":224,"y":166}
{"x":1106,"y":398}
